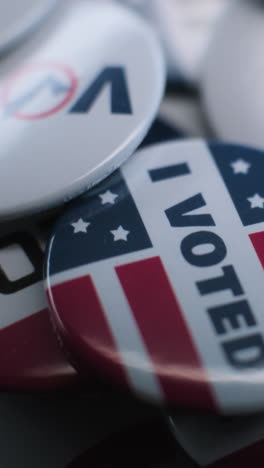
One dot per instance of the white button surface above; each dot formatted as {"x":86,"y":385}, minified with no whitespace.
{"x":20,"y":17}
{"x":185,"y":27}
{"x":76,"y":103}
{"x":232,"y":80}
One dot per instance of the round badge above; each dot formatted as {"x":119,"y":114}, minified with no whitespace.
{"x":78,"y":107}
{"x":220,"y":442}
{"x":19,"y":18}
{"x":155,"y":277}
{"x":30,"y":353}
{"x":185,"y":29}
{"x":232,"y":76}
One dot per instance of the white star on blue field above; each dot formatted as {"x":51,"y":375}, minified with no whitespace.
{"x":120,"y":234}
{"x":242,"y":171}
{"x":80,"y":226}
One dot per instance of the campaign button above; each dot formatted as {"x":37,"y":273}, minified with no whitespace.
{"x":19,"y":18}
{"x":31,"y":357}
{"x":20,"y":93}
{"x":155,"y":276}
{"x":185,"y":29}
{"x":216,"y":442}
{"x":75,"y":107}
{"x":231,"y":78}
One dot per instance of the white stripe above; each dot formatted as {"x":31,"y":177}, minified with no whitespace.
{"x":233,"y":389}
{"x":127,"y":335}
{"x":133,"y":353}
{"x":84,"y":270}
{"x":254,"y":228}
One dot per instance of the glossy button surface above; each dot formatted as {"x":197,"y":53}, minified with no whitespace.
{"x":232,"y":85}
{"x":19,"y":18}
{"x":185,"y":28}
{"x":155,"y":276}
{"x":31,"y":357}
{"x":77,"y":105}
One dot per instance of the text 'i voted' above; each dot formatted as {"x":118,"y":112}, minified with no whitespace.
{"x":155,"y":276}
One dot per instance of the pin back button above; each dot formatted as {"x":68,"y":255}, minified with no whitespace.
{"x":185,"y":29}
{"x":31,"y":357}
{"x":80,"y":104}
{"x":20,"y":18}
{"x":231,"y":79}
{"x":155,"y":276}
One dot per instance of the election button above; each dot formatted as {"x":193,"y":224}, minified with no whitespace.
{"x":220,"y":442}
{"x":231,"y":80}
{"x":31,"y":357}
{"x":19,"y":18}
{"x":155,"y":276}
{"x":185,"y":29}
{"x":80,"y":104}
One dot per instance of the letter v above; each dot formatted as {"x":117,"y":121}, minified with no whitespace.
{"x":177,"y":214}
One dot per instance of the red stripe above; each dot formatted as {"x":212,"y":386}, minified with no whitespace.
{"x":31,"y":356}
{"x":257,"y":240}
{"x":82,"y":321}
{"x":165,"y":332}
{"x":244,"y":458}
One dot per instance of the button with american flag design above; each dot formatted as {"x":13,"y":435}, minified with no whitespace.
{"x":155,"y":276}
{"x":31,"y":357}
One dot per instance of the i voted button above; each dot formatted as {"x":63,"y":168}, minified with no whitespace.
{"x":77,"y":105}
{"x":231,"y":79}
{"x":31,"y":357}
{"x":155,"y":276}
{"x":19,"y":18}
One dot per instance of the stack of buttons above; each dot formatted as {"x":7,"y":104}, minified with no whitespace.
{"x":131,"y":249}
